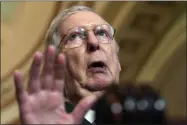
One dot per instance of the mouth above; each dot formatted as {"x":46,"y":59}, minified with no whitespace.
{"x":97,"y":67}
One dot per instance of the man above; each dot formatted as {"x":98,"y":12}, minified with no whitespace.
{"x":80,"y":61}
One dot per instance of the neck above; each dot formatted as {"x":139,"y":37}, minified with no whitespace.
{"x":74,"y":92}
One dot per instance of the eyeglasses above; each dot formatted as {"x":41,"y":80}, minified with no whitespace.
{"x":77,"y":36}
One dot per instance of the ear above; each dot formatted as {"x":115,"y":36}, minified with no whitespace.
{"x":118,"y":62}
{"x":119,"y":66}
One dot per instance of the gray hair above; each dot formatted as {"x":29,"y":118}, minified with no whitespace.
{"x":53,"y":35}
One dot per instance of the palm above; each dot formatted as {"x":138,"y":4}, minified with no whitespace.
{"x":46,"y":107}
{"x":45,"y":102}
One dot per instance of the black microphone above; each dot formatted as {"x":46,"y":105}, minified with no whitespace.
{"x":128,"y":104}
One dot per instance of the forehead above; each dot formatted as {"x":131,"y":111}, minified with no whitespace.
{"x":84,"y":18}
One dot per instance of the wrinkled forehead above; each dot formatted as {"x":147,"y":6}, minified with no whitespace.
{"x":84,"y":19}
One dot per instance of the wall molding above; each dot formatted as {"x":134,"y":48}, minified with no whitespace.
{"x":169,"y":45}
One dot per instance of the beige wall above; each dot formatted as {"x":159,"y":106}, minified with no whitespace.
{"x":20,"y":38}
{"x":167,"y":67}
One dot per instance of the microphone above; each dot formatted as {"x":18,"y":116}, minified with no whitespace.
{"x":130,"y":104}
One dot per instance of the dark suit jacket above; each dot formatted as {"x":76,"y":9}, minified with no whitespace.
{"x":70,"y":107}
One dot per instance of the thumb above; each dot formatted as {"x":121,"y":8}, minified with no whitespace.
{"x":82,"y":108}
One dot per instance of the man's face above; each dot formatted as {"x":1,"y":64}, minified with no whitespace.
{"x":93,"y":65}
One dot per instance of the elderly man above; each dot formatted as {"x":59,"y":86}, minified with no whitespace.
{"x":80,"y":61}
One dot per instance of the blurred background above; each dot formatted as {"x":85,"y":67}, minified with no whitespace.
{"x":151,"y":35}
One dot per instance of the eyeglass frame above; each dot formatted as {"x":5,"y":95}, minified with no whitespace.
{"x":59,"y":46}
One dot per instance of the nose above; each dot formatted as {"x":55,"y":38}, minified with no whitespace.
{"x":92,"y":43}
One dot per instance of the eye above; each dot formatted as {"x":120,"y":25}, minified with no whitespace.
{"x":73,"y":36}
{"x":102,"y":34}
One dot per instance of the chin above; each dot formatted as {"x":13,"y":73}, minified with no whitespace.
{"x":98,"y":83}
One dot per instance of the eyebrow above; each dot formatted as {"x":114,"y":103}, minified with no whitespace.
{"x":85,"y":26}
{"x":88,"y":27}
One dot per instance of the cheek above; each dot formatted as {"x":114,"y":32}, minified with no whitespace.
{"x":76,"y":62}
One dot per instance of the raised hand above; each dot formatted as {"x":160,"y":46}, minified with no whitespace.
{"x":44,"y":103}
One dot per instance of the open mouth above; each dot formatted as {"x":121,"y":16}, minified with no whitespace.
{"x":97,"y":67}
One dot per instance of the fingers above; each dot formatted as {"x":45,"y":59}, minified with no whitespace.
{"x":34,"y":79}
{"x":59,"y":73}
{"x":21,"y":93}
{"x":82,"y":108}
{"x":47,"y":73}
